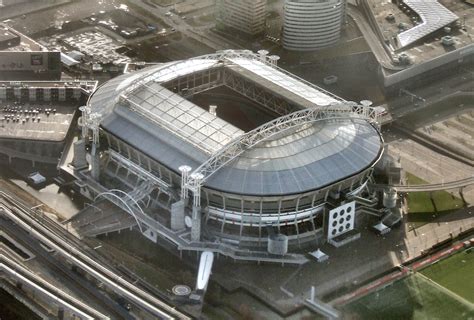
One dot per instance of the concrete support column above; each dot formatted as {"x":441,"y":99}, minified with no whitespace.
{"x":196,"y":179}
{"x":79,"y":161}
{"x":177,"y":215}
{"x":196,"y":224}
{"x":95,"y":162}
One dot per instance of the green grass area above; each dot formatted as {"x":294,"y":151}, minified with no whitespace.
{"x":423,"y":209}
{"x":446,"y":201}
{"x":411,"y":298}
{"x":419,"y":202}
{"x":455,"y":273}
{"x":412,"y":179}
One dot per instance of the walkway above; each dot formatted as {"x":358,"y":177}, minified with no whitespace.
{"x":429,"y":187}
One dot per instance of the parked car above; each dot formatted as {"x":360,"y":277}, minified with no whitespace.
{"x":36,"y":180}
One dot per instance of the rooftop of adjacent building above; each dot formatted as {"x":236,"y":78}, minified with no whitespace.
{"x":35,"y":121}
{"x":6,"y":34}
{"x":430,"y":46}
{"x":26,"y":43}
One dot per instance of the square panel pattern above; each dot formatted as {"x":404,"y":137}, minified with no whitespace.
{"x":341,"y":220}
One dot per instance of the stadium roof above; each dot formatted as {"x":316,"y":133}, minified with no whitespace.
{"x":138,"y":109}
{"x":184,"y":118}
{"x":303,"y":93}
{"x":306,"y":158}
{"x":434,"y":17}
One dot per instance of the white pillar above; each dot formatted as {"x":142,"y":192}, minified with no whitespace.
{"x":274,"y":59}
{"x":196,"y":179}
{"x":213,"y":110}
{"x":263,"y":55}
{"x":184,"y":180}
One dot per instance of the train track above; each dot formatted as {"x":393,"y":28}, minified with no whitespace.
{"x":49,"y":234}
{"x":69,"y":279}
{"x":31,"y":280}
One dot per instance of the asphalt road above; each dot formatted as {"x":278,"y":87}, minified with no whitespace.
{"x":200,"y":34}
{"x":372,"y":40}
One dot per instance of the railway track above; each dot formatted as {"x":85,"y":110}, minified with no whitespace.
{"x":69,"y":279}
{"x":31,"y":280}
{"x":49,"y":234}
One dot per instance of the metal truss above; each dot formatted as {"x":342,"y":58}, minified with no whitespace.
{"x":121,"y":202}
{"x":90,"y":121}
{"x":199,"y":82}
{"x":140,"y":172}
{"x":255,"y":93}
{"x":196,"y":82}
{"x":247,"y":141}
{"x":221,"y":57}
{"x":224,"y":55}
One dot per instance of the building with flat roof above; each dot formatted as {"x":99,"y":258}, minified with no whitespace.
{"x":30,"y":65}
{"x":247,"y":16}
{"x":8,"y":38}
{"x":23,"y":59}
{"x":6,"y":3}
{"x":312,"y":24}
{"x":35,"y":118}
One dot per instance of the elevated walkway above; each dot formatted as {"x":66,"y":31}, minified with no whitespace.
{"x":100,"y":218}
{"x":462,"y":183}
{"x":182,"y":239}
{"x":370,"y":203}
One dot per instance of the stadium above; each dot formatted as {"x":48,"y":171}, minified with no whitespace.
{"x":225,"y":152}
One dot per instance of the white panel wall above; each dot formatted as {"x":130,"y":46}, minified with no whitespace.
{"x":341,"y":220}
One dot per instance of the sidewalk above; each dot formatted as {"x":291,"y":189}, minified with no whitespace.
{"x":441,"y":229}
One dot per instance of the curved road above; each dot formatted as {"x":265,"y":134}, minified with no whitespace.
{"x":372,"y":40}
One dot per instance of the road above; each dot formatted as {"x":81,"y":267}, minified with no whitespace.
{"x":459,"y":84}
{"x":372,"y":40}
{"x":200,"y":34}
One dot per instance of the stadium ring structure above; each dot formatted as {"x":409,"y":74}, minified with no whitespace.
{"x":204,"y":184}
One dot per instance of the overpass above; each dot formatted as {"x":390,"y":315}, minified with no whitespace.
{"x":457,"y":184}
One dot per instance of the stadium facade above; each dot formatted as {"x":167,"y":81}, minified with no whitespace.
{"x":188,"y":176}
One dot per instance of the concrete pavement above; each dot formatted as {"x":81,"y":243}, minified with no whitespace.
{"x":443,"y":228}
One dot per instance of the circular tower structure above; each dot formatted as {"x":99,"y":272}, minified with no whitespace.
{"x":312,"y":24}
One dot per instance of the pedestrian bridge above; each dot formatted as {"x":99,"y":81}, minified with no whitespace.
{"x":457,"y":184}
